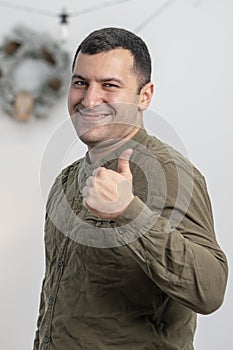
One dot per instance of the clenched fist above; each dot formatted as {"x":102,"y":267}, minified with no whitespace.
{"x":108,"y":193}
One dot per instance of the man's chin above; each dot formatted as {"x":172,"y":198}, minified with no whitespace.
{"x":91,"y":137}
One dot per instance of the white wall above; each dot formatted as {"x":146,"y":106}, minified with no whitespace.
{"x":192,"y":53}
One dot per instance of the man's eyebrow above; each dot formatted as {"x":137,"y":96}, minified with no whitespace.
{"x":104,"y":80}
{"x":78,"y":76}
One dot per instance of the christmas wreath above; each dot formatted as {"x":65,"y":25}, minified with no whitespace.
{"x":34,"y":72}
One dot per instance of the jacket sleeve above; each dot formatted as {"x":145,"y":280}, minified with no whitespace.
{"x":184,"y":258}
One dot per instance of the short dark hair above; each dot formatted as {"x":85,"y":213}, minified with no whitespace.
{"x":111,"y":38}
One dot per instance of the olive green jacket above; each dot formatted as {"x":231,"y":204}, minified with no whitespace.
{"x":137,"y":282}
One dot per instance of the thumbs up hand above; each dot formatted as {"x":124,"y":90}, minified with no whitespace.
{"x":108,"y":193}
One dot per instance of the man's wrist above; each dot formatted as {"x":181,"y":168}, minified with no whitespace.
{"x":133,"y":210}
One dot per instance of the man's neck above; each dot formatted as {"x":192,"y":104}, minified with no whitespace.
{"x":104,"y":148}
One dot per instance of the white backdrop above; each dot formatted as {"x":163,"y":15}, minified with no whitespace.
{"x":191,"y":46}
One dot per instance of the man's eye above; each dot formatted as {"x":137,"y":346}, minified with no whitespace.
{"x":110,"y":85}
{"x":79,"y":83}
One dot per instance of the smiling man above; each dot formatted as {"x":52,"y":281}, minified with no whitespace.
{"x":131,"y":252}
{"x":106,"y":92}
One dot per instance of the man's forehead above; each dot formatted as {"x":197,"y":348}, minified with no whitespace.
{"x":105,"y":57}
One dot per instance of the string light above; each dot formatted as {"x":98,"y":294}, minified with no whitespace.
{"x":64,"y":16}
{"x":64,"y":25}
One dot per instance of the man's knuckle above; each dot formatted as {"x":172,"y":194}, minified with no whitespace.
{"x":101,"y":171}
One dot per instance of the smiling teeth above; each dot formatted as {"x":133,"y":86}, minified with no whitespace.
{"x":95,"y":115}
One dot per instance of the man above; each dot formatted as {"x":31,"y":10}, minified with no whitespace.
{"x":131,"y":253}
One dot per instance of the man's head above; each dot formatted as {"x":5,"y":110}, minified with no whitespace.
{"x":110,"y":86}
{"x":107,"y":39}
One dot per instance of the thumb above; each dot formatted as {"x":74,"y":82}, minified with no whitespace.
{"x":123,"y":163}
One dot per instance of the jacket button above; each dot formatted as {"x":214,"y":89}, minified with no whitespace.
{"x":60,"y":262}
{"x":51,"y":301}
{"x":121,"y":230}
{"x":69,"y":227}
{"x":46,"y":339}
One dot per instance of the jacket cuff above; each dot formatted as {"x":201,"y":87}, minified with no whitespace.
{"x":136,"y":210}
{"x":138,"y":219}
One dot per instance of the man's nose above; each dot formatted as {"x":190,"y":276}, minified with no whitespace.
{"x":92,"y":97}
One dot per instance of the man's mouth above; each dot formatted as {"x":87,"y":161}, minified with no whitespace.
{"x":96,"y":116}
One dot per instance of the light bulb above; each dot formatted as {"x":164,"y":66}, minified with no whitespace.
{"x":64,"y":25}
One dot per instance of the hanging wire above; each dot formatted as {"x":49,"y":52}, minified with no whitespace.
{"x":64,"y":15}
{"x":27,"y":9}
{"x":98,"y":7}
{"x":155,"y":14}
{"x":50,"y":14}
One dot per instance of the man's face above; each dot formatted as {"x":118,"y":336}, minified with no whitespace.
{"x":103,"y":98}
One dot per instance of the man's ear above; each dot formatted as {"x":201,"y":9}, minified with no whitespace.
{"x":146,"y":94}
